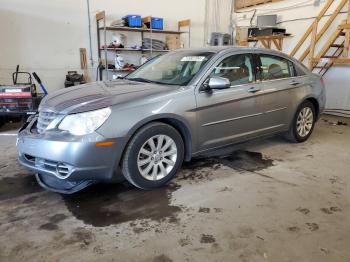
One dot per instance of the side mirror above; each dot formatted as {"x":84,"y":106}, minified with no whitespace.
{"x":217,"y":82}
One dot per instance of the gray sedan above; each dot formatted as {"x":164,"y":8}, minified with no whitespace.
{"x":174,"y":107}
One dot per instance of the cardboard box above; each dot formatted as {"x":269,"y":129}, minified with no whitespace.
{"x":173,"y":42}
{"x":242,"y":36}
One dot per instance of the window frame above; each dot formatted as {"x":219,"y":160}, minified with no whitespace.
{"x":253,"y":64}
{"x":290,"y":63}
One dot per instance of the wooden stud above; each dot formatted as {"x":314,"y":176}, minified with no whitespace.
{"x":347,"y":34}
{"x":278,"y":44}
{"x":264,"y":43}
{"x":83,"y":63}
{"x":313,"y":44}
{"x":281,"y":43}
{"x":275,"y":43}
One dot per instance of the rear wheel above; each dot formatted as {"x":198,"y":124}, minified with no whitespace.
{"x":303,"y":123}
{"x":153,"y":156}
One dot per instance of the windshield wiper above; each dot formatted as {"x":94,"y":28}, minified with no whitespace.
{"x":140,"y":79}
{"x":144,"y":80}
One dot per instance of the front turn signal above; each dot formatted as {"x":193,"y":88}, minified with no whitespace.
{"x":104,"y":144}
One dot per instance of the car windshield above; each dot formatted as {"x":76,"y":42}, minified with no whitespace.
{"x":176,"y":68}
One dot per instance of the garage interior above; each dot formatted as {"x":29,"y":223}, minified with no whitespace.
{"x":263,"y":200}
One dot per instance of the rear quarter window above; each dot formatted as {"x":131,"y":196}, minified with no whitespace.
{"x":275,"y":67}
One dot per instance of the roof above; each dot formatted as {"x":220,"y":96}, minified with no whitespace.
{"x":224,"y":49}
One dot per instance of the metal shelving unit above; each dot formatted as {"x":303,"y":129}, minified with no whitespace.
{"x":102,"y":28}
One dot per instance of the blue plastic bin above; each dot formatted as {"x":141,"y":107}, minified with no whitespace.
{"x":157,"y":23}
{"x":133,"y":20}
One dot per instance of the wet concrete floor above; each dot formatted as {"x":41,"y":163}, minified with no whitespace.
{"x":266,"y":200}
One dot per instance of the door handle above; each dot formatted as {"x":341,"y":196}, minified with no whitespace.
{"x":294,"y":83}
{"x":254,"y":89}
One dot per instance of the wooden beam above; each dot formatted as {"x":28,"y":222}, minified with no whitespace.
{"x":309,"y":30}
{"x":312,"y":45}
{"x":327,"y":45}
{"x":334,"y":60}
{"x":265,"y":43}
{"x":344,"y":26}
{"x":278,"y":43}
{"x":341,"y":61}
{"x":240,"y":4}
{"x":347,"y":34}
{"x":83,"y":63}
{"x":325,"y":27}
{"x":268,"y":37}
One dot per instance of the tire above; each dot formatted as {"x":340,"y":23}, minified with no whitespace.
{"x":295,"y":134}
{"x":139,"y":150}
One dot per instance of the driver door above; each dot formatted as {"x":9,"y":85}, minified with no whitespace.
{"x":228,"y":115}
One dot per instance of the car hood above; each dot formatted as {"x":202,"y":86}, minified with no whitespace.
{"x":98,"y":95}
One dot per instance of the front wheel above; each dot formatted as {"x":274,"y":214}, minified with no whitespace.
{"x":303,"y":123}
{"x":153,"y":156}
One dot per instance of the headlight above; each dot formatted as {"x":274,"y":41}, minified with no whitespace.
{"x":85,"y":123}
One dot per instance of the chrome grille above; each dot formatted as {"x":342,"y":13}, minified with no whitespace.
{"x":45,"y":118}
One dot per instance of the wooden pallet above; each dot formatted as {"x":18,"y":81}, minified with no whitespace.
{"x":335,"y":50}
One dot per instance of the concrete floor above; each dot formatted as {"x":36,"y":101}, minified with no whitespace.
{"x":269,"y":201}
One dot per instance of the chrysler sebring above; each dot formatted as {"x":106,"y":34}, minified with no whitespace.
{"x":174,"y":107}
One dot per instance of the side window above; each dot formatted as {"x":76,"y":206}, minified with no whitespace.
{"x":237,"y":68}
{"x":274,"y":67}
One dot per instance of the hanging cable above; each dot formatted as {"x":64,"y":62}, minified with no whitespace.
{"x":89,"y":23}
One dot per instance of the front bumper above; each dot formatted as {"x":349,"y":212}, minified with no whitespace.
{"x":66,"y":163}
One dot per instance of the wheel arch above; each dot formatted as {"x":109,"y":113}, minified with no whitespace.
{"x":312,"y":100}
{"x":316,"y":105}
{"x":173,"y":121}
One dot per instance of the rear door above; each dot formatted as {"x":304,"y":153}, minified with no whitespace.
{"x":278,"y":79}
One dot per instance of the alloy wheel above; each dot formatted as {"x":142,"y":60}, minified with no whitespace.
{"x":157,"y":157}
{"x":305,"y":121}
